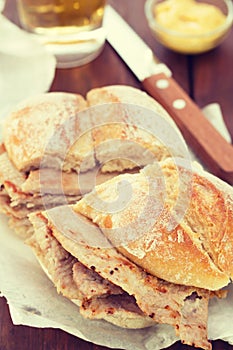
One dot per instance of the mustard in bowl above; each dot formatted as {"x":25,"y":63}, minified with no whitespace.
{"x":189,"y":26}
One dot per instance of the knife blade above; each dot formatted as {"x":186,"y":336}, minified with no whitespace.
{"x":156,"y":78}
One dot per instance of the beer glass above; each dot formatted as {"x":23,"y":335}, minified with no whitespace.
{"x":71,"y":29}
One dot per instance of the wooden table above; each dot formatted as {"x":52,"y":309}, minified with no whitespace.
{"x":207,"y":78}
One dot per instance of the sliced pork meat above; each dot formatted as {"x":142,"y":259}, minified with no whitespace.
{"x":120,"y":310}
{"x":71,"y":279}
{"x":163,"y":302}
{"x":56,"y":261}
{"x":22,"y":193}
{"x":91,"y":284}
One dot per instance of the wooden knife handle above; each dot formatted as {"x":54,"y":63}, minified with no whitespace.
{"x":215,"y":152}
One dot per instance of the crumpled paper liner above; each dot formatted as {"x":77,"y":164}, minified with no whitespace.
{"x":214,"y":114}
{"x":33,"y":300}
{"x":27,"y":69}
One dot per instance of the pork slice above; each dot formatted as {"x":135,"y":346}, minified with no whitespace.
{"x":52,"y":181}
{"x":5,"y":207}
{"x":193,"y":311}
{"x":22,"y":227}
{"x":91,"y":284}
{"x":22,"y":206}
{"x":9,"y":173}
{"x":112,"y":302}
{"x":46,"y":201}
{"x":56,"y":261}
{"x":20,"y":185}
{"x":61,"y":265}
{"x":11,"y":179}
{"x":162,"y":301}
{"x":104,"y":300}
{"x":20,"y":211}
{"x":50,"y":201}
{"x":31,"y":200}
{"x":67,"y":273}
{"x":120,"y":310}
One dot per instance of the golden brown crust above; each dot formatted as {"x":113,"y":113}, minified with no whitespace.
{"x":188,"y":254}
{"x":215,"y":221}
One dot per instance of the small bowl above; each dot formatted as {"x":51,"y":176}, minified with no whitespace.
{"x":182,"y":40}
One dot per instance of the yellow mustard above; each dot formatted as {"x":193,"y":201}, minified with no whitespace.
{"x":188,"y":17}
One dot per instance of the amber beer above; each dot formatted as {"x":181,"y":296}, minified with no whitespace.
{"x":71,"y":29}
{"x":60,"y":16}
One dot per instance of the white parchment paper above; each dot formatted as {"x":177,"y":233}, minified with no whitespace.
{"x":27,"y":69}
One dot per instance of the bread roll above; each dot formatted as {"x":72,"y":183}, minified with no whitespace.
{"x":138,"y":128}
{"x":116,"y":128}
{"x":46,"y":126}
{"x":190,"y":248}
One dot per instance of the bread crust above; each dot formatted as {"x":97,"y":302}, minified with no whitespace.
{"x":124,"y":142}
{"x":29,"y":128}
{"x":128,"y":114}
{"x":218,"y":238}
{"x":187,"y":254}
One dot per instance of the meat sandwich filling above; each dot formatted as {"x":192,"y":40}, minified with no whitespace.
{"x":103,"y":282}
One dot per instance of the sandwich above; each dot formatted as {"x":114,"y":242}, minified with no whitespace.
{"x":25,"y":134}
{"x":50,"y":139}
{"x":122,"y":222}
{"x":136,"y":262}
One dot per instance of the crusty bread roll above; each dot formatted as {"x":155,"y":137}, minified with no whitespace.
{"x":130,"y":115}
{"x":38,"y":128}
{"x":193,"y":247}
{"x":65,"y":130}
{"x":116,"y":128}
{"x":126,"y":94}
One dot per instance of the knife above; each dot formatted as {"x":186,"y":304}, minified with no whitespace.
{"x":156,"y":78}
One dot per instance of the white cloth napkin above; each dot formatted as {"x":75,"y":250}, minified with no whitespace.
{"x":26,"y":67}
{"x":2,"y":4}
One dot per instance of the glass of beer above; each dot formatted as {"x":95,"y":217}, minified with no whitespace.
{"x":71,"y":29}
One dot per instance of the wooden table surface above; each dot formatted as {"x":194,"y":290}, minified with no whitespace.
{"x":207,"y":78}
